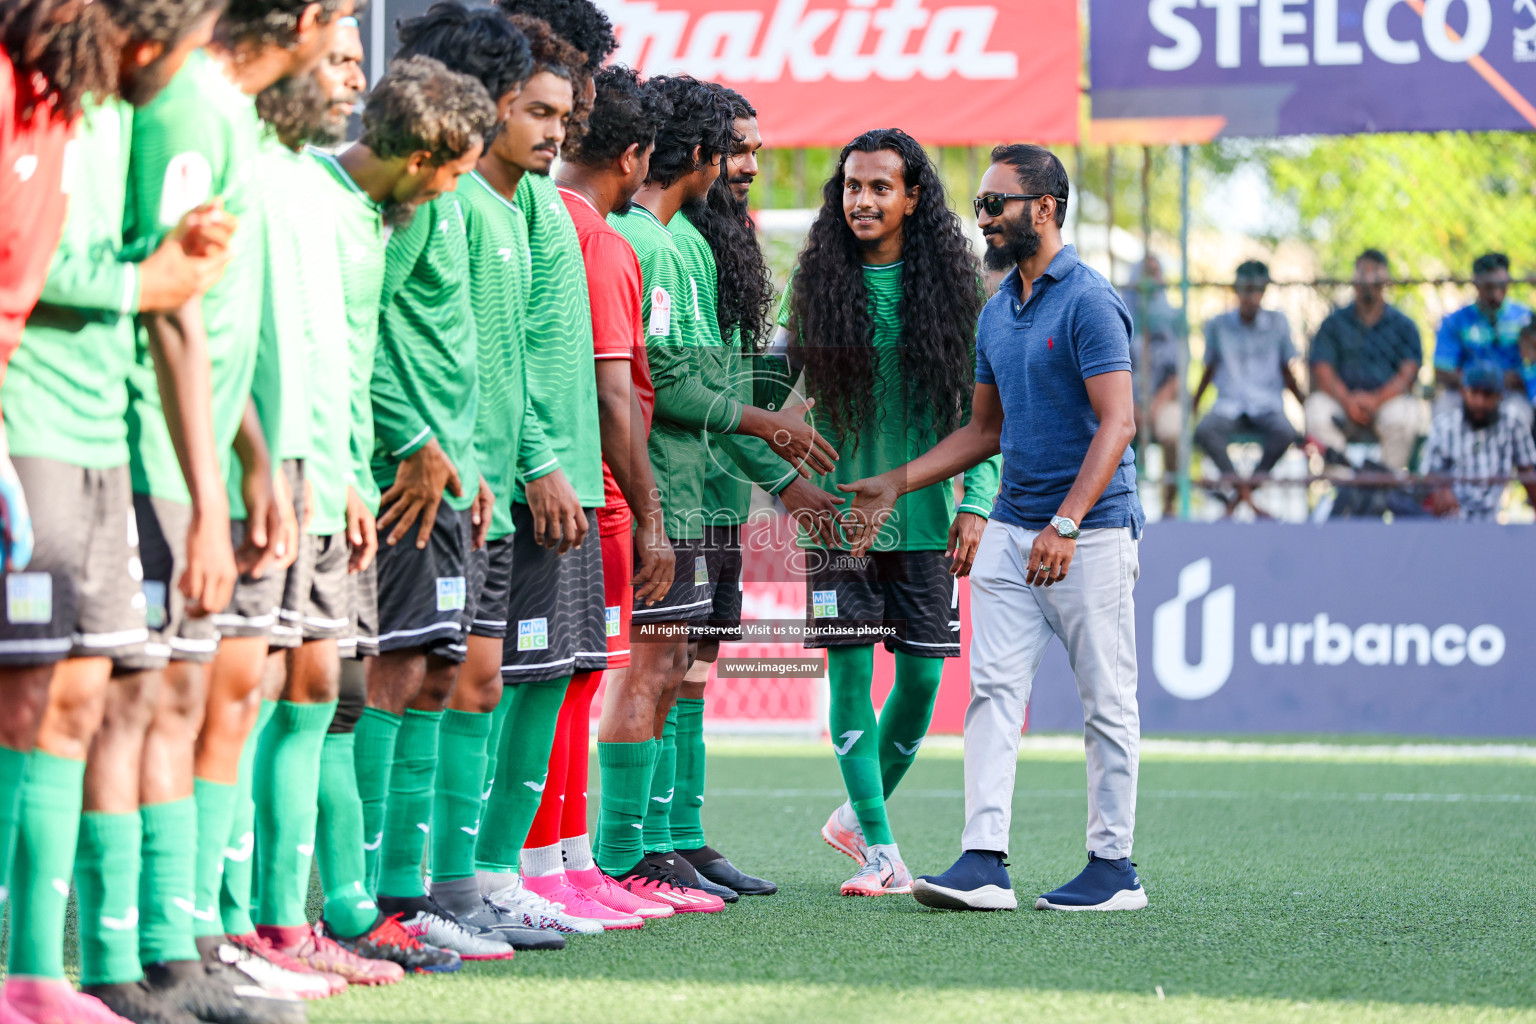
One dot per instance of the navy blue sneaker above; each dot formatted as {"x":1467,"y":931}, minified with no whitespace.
{"x":1102,"y":885}
{"x":977,"y":881}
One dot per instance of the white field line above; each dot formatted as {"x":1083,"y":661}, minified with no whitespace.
{"x":1168,"y":794}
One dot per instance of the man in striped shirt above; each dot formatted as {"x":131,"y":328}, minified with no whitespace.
{"x":1479,"y":446}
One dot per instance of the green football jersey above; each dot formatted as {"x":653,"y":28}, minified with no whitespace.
{"x":680,"y":363}
{"x":66,"y":389}
{"x":424,"y":379}
{"x":509,"y":440}
{"x":732,"y":463}
{"x":562,"y":383}
{"x":295,"y":227}
{"x":198,"y":139}
{"x":360,"y":246}
{"x":897,"y":433}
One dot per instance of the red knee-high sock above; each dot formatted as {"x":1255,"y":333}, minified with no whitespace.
{"x":545,"y":830}
{"x":578,"y":700}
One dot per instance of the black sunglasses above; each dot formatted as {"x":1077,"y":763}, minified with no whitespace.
{"x":993,"y":202}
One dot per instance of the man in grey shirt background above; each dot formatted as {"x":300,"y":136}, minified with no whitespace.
{"x":1248,"y":354}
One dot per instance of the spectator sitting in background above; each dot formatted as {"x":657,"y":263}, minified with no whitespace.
{"x":1483,"y":443}
{"x":1155,"y":365}
{"x":1487,"y":330}
{"x":1248,"y":354}
{"x":1365,"y":359}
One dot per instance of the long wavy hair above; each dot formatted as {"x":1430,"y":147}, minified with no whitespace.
{"x":744,"y":282}
{"x":941,"y":296}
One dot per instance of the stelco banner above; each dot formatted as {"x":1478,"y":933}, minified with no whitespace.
{"x":1348,"y":627}
{"x":1279,"y":67}
{"x":820,"y":72}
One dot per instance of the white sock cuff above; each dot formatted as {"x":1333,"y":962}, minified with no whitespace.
{"x":578,"y":852}
{"x":889,"y":849}
{"x":494,"y":881}
{"x":542,"y":861}
{"x":846,"y":817}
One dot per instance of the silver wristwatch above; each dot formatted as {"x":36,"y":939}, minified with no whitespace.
{"x":1066,"y":527}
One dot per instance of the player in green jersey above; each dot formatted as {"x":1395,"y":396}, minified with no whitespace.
{"x":426,"y":393}
{"x":199,"y":140}
{"x":893,"y":376}
{"x":76,"y":615}
{"x":416,"y":142}
{"x":736,"y":285}
{"x":684,"y":363}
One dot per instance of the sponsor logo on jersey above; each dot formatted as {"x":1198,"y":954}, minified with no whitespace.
{"x":155,"y":614}
{"x":188,"y":184}
{"x":533,"y":634}
{"x":824,"y":604}
{"x":700,"y":571}
{"x":660,"y":323}
{"x":29,"y":598}
{"x":611,"y":619}
{"x":450,"y":593}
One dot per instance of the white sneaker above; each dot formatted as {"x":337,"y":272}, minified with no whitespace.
{"x":271,"y":977}
{"x":538,"y":912}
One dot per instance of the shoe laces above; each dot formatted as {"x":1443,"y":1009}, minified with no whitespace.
{"x":390,"y":932}
{"x":438,"y":911}
{"x":328,"y":946}
{"x":262,"y":947}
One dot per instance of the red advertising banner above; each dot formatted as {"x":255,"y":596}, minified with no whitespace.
{"x":822,"y":71}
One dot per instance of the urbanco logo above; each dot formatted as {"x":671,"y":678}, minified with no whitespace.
{"x":1218,"y":628}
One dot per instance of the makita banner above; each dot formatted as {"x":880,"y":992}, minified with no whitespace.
{"x":1282,"y":67}
{"x":1421,"y":628}
{"x":822,"y":71}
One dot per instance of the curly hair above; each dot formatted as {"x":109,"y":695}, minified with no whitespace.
{"x":294,"y":107}
{"x":268,"y":22}
{"x":941,"y":296}
{"x":744,"y":282}
{"x":579,"y":22}
{"x":74,"y":45}
{"x":554,"y":54}
{"x":474,"y":41}
{"x":701,"y":118}
{"x":624,"y":114}
{"x":422,"y":106}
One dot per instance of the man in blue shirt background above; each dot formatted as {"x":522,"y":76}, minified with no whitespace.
{"x":1059,"y":555}
{"x":1488,"y":330}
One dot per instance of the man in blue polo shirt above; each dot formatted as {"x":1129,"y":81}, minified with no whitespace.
{"x":1486,"y":331}
{"x":1059,"y":555}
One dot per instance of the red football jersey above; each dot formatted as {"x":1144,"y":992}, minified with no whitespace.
{"x":613,"y":286}
{"x":34,"y":187}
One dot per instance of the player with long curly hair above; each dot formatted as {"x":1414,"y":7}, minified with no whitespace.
{"x":880,"y":315}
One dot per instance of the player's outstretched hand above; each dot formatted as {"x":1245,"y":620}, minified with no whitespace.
{"x":417,"y":492}
{"x":480,"y":513}
{"x":874,"y":498}
{"x":813,"y":510}
{"x":657,"y":561}
{"x":558,"y":519}
{"x":362,"y":533}
{"x":15,"y":519}
{"x":964,"y":537}
{"x":209,"y":578}
{"x":795,"y":439}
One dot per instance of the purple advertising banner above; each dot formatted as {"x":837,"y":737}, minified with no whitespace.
{"x":1285,"y":67}
{"x":1418,"y":628}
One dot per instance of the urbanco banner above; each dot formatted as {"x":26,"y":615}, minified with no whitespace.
{"x":1284,"y":67}
{"x":821,"y":72}
{"x":1418,"y":628}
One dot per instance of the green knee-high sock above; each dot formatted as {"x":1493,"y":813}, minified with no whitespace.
{"x":408,"y":816}
{"x":688,"y":802}
{"x":851,"y":720}
{"x":349,"y":910}
{"x":239,"y":850}
{"x":625,"y":770}
{"x":522,"y":765}
{"x":374,"y":749}
{"x":220,"y":905}
{"x":904,"y":718}
{"x":107,"y":886}
{"x":457,"y":800}
{"x":47,"y":832}
{"x":13,"y":772}
{"x":493,"y":743}
{"x":285,"y":788}
{"x":168,"y":882}
{"x":658,"y":809}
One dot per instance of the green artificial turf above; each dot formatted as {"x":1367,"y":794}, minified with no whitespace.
{"x":1389,"y":890}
